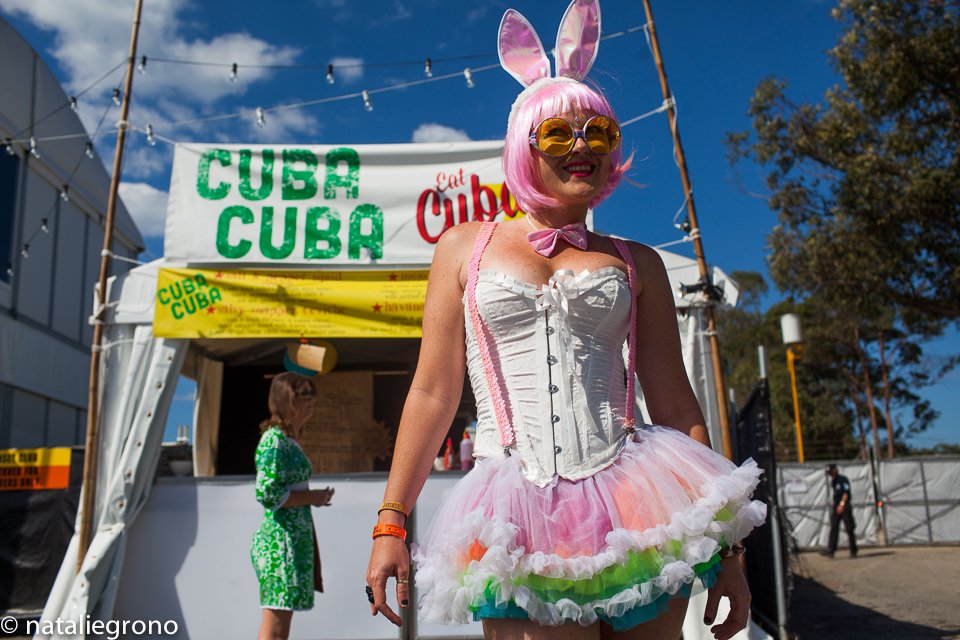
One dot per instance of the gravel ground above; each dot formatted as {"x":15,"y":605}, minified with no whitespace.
{"x":902,"y":593}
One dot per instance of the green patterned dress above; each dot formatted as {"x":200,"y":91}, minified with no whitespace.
{"x":282,"y":550}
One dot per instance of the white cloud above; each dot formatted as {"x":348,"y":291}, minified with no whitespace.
{"x":476,"y":13}
{"x":91,"y":36}
{"x":141,"y":161}
{"x":210,"y":83}
{"x":433,"y":132}
{"x":147,"y":206}
{"x":400,"y":13}
{"x":336,"y":10}
{"x":347,"y":70}
{"x":284,"y":126}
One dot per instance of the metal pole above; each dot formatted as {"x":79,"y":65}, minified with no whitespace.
{"x":694,"y":234}
{"x":791,"y":360}
{"x":778,"y":570}
{"x":92,"y":450}
{"x":926,"y":503}
{"x":762,"y":356}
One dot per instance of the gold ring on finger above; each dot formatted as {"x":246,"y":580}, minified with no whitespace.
{"x":402,"y":581}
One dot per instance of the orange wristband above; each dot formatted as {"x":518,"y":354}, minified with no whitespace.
{"x":399,"y":507}
{"x":389,"y":530}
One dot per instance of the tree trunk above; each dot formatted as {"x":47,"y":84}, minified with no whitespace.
{"x":858,"y":409}
{"x":868,"y":389}
{"x":886,"y":396}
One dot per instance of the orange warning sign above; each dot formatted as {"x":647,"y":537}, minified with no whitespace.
{"x":27,"y":469}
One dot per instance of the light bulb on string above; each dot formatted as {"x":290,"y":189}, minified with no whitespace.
{"x":142,"y":65}
{"x":330,"y":78}
{"x":151,"y":140}
{"x":468,"y":75}
{"x":65,"y":193}
{"x":44,"y":225}
{"x":9,"y":269}
{"x":33,"y":148}
{"x":367,"y":104}
{"x":428,"y":68}
{"x":261,"y":120}
{"x":233,"y":72}
{"x":88,"y":150}
{"x":73,"y":103}
{"x":25,"y":251}
{"x":8,"y":147}
{"x":116,"y":97}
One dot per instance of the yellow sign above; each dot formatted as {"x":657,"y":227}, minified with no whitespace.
{"x":28,"y":469}
{"x":200,"y":303}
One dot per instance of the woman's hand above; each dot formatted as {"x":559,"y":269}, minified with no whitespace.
{"x":733,"y":584}
{"x":321,"y":497}
{"x":389,"y":558}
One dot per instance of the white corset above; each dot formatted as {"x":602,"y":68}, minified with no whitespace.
{"x":558,"y":352}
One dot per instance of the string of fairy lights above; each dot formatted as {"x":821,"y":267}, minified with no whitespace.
{"x":88,"y":154}
{"x":234,"y":73}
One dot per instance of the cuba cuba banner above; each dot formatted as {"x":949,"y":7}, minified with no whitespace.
{"x":347,"y":205}
{"x":206,"y":303}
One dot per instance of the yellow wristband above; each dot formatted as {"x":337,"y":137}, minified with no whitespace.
{"x":399,"y":507}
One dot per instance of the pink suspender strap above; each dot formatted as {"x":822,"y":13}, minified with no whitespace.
{"x":497,"y":391}
{"x":624,"y":252}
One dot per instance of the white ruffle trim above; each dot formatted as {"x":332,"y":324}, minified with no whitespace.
{"x":448,"y":592}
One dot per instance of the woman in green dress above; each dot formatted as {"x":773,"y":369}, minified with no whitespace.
{"x":283,"y":547}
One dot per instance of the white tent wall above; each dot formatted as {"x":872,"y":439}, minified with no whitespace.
{"x":139,"y":375}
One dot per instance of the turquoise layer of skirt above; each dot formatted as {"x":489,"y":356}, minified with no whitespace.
{"x":635,"y":616}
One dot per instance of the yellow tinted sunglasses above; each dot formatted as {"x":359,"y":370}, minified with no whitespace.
{"x":556,"y":137}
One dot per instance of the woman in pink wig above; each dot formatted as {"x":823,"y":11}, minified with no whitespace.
{"x":576,"y":522}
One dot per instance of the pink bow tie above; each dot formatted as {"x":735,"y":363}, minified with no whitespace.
{"x":544,"y":241}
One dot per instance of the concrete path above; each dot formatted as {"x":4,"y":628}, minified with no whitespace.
{"x":902,"y":593}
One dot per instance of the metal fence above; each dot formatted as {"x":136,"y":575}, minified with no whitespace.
{"x":906,"y":501}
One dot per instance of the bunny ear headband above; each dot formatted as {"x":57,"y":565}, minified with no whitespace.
{"x":523,"y":56}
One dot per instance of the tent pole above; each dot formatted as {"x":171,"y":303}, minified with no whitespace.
{"x":92,"y":449}
{"x":694,"y":234}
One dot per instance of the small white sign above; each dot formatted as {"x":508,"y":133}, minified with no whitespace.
{"x":796,"y":486}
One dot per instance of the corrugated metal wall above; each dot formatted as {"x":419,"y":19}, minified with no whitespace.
{"x":46,"y":301}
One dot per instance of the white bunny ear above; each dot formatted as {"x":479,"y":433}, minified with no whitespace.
{"x":521,"y":52}
{"x":577,"y":39}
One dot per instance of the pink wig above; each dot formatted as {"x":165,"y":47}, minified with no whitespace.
{"x":519,"y":156}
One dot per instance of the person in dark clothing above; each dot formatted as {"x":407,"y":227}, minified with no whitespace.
{"x":842,"y":510}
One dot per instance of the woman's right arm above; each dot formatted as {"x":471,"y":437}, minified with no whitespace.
{"x":429,"y":409}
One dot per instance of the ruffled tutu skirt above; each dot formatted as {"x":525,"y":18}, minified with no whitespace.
{"x":615,"y":546}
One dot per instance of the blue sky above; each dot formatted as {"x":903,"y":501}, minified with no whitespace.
{"x":715,"y":54}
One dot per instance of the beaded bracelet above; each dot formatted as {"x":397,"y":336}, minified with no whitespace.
{"x":389,"y":530}
{"x":736,"y":549}
{"x":399,"y":507}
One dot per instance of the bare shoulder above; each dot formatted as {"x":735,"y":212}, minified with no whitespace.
{"x":651,"y":271}
{"x":454,"y":248}
{"x":459,"y":237}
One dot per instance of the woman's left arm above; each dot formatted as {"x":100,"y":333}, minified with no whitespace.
{"x":660,"y":371}
{"x":672,"y":403}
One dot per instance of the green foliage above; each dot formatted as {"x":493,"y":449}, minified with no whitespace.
{"x":824,"y":417}
{"x":866,"y":186}
{"x":867,"y":182}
